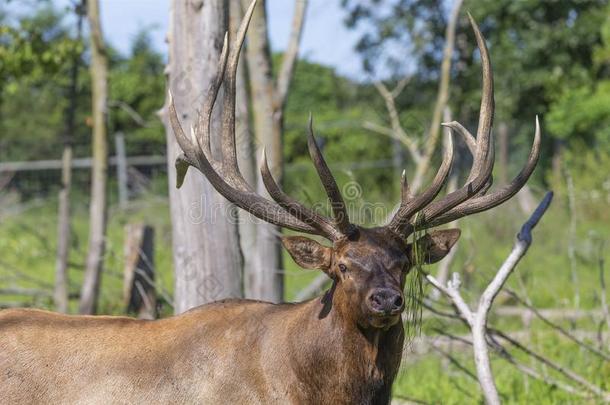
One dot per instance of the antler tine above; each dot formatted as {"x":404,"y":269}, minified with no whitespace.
{"x":480,"y":175}
{"x":400,"y":223}
{"x":205,"y":118}
{"x":185,"y":143}
{"x":246,"y":200}
{"x":479,"y":178}
{"x":499,"y":196}
{"x":338,"y":207}
{"x":294,"y":207}
{"x":469,"y":140}
{"x":486,"y":112}
{"x":229,"y":152}
{"x":405,"y":192}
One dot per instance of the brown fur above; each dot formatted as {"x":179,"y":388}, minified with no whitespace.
{"x":329,"y":350}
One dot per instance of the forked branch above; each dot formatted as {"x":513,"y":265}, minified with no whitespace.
{"x":477,"y":319}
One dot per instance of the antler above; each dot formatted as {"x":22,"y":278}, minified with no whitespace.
{"x":286,"y":212}
{"x":470,"y":198}
{"x":224,"y":174}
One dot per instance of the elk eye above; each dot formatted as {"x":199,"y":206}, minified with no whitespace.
{"x":342,"y":268}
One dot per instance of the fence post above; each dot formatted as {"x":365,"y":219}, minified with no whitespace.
{"x":139,"y":277}
{"x":121,"y":168}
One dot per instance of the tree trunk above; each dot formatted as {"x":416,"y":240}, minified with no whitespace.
{"x":557,"y":159}
{"x":60,"y":295}
{"x":503,"y":158}
{"x":99,"y":167}
{"x":206,"y":256}
{"x":245,"y":155}
{"x":266,"y":282}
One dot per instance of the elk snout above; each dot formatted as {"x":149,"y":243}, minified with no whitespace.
{"x":386,"y":301}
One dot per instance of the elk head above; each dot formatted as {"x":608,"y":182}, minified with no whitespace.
{"x":368,"y":266}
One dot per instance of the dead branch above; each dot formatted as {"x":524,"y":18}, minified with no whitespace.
{"x":292,"y":51}
{"x":569,"y":374}
{"x":477,"y":320}
{"x":557,"y":327}
{"x":421,"y":156}
{"x":505,"y":355}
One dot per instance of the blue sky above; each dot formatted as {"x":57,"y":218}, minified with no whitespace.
{"x":325,"y":38}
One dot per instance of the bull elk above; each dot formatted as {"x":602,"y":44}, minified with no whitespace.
{"x":342,"y":348}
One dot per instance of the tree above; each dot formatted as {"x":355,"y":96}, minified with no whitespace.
{"x":63,"y":221}
{"x":99,"y":168}
{"x":265,"y":280}
{"x":539,"y":50}
{"x":137,"y":88}
{"x":421,"y":156}
{"x":35,"y":51}
{"x":206,"y":255}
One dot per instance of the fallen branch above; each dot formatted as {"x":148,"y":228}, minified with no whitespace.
{"x":558,"y":328}
{"x":569,"y":374}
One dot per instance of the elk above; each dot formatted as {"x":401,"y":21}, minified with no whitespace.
{"x":344,"y":347}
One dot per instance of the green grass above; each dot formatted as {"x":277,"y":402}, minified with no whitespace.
{"x":27,"y":260}
{"x":28,"y":245}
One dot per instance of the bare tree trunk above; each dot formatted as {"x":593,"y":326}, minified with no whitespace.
{"x":245,"y":156}
{"x":266,"y":282}
{"x":398,"y":161}
{"x":60,"y":295}
{"x":121,"y":169}
{"x":503,"y":158}
{"x":557,"y":159}
{"x":269,"y":99}
{"x":572,"y":237}
{"x":99,"y":166}
{"x":206,"y":255}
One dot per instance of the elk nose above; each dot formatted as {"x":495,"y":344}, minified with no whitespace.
{"x":386,"y":300}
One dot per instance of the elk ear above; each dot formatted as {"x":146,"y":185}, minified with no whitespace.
{"x":308,"y":253}
{"x":435,"y":245}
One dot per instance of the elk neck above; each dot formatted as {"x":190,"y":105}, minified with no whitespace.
{"x":332,"y":351}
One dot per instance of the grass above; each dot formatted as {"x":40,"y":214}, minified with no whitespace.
{"x":27,"y":260}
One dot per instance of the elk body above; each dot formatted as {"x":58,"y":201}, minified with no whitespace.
{"x":342,"y":348}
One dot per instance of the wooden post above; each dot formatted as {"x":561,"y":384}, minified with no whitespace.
{"x":138,"y":276}
{"x":121,"y":168}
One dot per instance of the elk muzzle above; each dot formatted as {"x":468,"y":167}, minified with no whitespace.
{"x":385,"y":306}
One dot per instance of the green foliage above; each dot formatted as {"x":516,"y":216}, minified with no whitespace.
{"x":583,"y":113}
{"x":549,"y":57}
{"x":338,"y":111}
{"x":34,"y":47}
{"x":36,"y":53}
{"x":137,"y":89}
